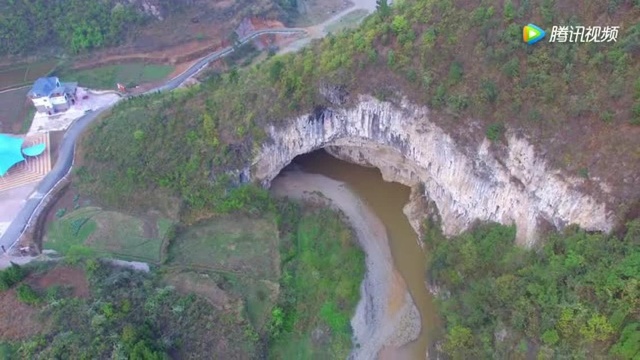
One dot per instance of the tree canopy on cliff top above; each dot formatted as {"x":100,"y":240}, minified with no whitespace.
{"x":577,"y":297}
{"x":579,"y":103}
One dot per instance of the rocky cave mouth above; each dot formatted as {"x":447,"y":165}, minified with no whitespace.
{"x":465,"y":182}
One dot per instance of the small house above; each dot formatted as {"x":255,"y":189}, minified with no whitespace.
{"x":49,"y":95}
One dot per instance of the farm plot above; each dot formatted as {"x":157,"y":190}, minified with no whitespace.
{"x":108,"y":232}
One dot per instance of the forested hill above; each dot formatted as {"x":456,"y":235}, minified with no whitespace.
{"x":579,"y":103}
{"x":77,"y":25}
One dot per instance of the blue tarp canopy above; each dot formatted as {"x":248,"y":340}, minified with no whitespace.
{"x":34,"y":150}
{"x":10,"y":152}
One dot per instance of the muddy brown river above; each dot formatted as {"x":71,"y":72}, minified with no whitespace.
{"x":387,"y":201}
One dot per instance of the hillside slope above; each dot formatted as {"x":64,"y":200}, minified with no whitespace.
{"x":578,"y":103}
{"x":79,"y":27}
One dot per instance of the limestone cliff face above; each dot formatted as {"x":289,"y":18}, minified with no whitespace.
{"x":514,"y":188}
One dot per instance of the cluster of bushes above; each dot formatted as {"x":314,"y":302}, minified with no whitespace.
{"x":574,"y":297}
{"x":131,"y":315}
{"x":11,"y":276}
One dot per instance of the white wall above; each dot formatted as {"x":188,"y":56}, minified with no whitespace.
{"x":58,"y":100}
{"x":43,"y":101}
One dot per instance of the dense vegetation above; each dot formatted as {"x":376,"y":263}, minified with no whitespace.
{"x":77,"y":25}
{"x":128,"y":315}
{"x":320,"y":287}
{"x":11,"y":276}
{"x":575,"y":297}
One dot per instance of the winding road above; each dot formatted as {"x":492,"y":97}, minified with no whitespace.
{"x":64,"y":164}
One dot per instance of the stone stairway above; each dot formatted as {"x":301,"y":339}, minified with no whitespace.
{"x":31,"y":170}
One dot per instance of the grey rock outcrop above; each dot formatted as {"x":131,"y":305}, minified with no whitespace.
{"x":465,"y":184}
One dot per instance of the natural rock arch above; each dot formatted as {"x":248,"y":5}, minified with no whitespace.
{"x":517,"y":188}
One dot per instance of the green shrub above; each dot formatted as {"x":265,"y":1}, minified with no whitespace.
{"x":456,"y":72}
{"x":489,"y":91}
{"x":495,"y":131}
{"x":458,"y":102}
{"x":584,"y":173}
{"x":509,"y":11}
{"x":511,"y":68}
{"x":607,"y":116}
{"x":27,"y":295}
{"x":60,"y":212}
{"x":11,"y":276}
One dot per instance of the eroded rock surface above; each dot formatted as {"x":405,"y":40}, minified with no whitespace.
{"x":466,"y":184}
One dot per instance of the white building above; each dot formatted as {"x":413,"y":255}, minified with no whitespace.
{"x":49,"y":95}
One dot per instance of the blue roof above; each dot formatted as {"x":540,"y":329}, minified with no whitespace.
{"x":44,"y":86}
{"x":10,"y":152}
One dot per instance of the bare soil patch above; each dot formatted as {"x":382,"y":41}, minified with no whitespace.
{"x":181,"y":37}
{"x":313,"y":12}
{"x":65,"y":276}
{"x":18,"y":321}
{"x":203,"y":285}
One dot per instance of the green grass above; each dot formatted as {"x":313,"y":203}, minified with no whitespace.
{"x":232,"y":244}
{"x":239,"y":252}
{"x":106,"y":232}
{"x":106,"y":77}
{"x":322,"y":272}
{"x":62,"y":235}
{"x":7,"y":351}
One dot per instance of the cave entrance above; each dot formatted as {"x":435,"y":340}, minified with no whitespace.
{"x":386,"y":200}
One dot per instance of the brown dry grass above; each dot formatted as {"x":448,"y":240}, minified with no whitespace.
{"x":64,"y":276}
{"x":18,"y":321}
{"x":201,"y":285}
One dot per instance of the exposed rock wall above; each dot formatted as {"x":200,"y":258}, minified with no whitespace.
{"x":515,"y":188}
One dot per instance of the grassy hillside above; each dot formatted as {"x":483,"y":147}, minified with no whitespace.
{"x":576,"y":297}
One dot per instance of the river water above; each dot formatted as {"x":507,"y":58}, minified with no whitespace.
{"x":387,"y":201}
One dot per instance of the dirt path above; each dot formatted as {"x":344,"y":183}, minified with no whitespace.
{"x":319,"y":31}
{"x":386,"y":316}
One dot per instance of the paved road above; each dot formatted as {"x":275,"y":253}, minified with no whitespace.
{"x":67,"y":147}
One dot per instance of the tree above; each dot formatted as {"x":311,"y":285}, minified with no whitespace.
{"x":509,"y":11}
{"x":383,"y":8}
{"x":628,"y":346}
{"x":458,"y":342}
